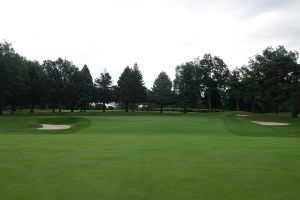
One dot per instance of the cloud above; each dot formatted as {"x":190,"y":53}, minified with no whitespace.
{"x":247,"y":8}
{"x":158,"y":34}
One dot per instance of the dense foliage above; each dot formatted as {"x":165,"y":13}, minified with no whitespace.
{"x":269,"y":83}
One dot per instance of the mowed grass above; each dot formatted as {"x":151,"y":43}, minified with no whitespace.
{"x":139,"y":156}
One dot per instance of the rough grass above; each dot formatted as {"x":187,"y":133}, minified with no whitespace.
{"x":149,"y":156}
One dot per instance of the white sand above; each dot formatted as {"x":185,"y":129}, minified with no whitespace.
{"x":242,"y":115}
{"x":54,"y":127}
{"x":270,"y":123}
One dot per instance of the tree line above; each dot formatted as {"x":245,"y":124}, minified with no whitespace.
{"x":269,"y":83}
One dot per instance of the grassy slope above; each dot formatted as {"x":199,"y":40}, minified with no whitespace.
{"x":148,"y":156}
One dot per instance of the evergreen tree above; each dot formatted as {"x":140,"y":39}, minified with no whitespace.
{"x":125,"y":87}
{"x":86,"y":88}
{"x":104,"y":92}
{"x":162,"y":90}
{"x":131,"y":87}
{"x":235,"y":87}
{"x":139,"y":91}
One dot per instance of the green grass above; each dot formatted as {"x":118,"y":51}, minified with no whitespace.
{"x":139,"y":156}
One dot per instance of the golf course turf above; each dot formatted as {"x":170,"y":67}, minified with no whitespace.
{"x":149,"y":156}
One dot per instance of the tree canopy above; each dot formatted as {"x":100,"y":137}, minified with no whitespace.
{"x":104,"y":90}
{"x":162,"y":93}
{"x":131,"y":87}
{"x":270,"y":82}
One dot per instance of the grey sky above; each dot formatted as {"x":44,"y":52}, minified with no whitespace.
{"x":157,"y":34}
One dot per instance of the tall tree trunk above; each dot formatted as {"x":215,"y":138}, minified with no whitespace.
{"x":161,"y":108}
{"x":209,"y":103}
{"x":12,"y":109}
{"x":295,"y":114}
{"x":253,"y":103}
{"x":296,"y":107}
{"x":237,"y":103}
{"x":276,"y":107}
{"x":185,"y":109}
{"x":72,"y":106}
{"x":31,"y":108}
{"x":103,"y":107}
{"x":59,"y":106}
{"x":126,"y":106}
{"x":53,"y":103}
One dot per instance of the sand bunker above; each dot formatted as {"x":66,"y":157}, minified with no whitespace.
{"x":242,"y":115}
{"x":271,"y":123}
{"x":54,"y":127}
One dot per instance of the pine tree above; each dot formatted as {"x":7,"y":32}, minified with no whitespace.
{"x":86,"y":87}
{"x":104,"y":92}
{"x":162,"y":90}
{"x":131,"y":87}
{"x":139,"y":93}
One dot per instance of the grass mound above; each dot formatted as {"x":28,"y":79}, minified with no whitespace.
{"x":76,"y":123}
{"x":29,"y":124}
{"x":60,"y":120}
{"x":245,"y":126}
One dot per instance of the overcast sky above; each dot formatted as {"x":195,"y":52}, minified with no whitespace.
{"x":157,"y":34}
